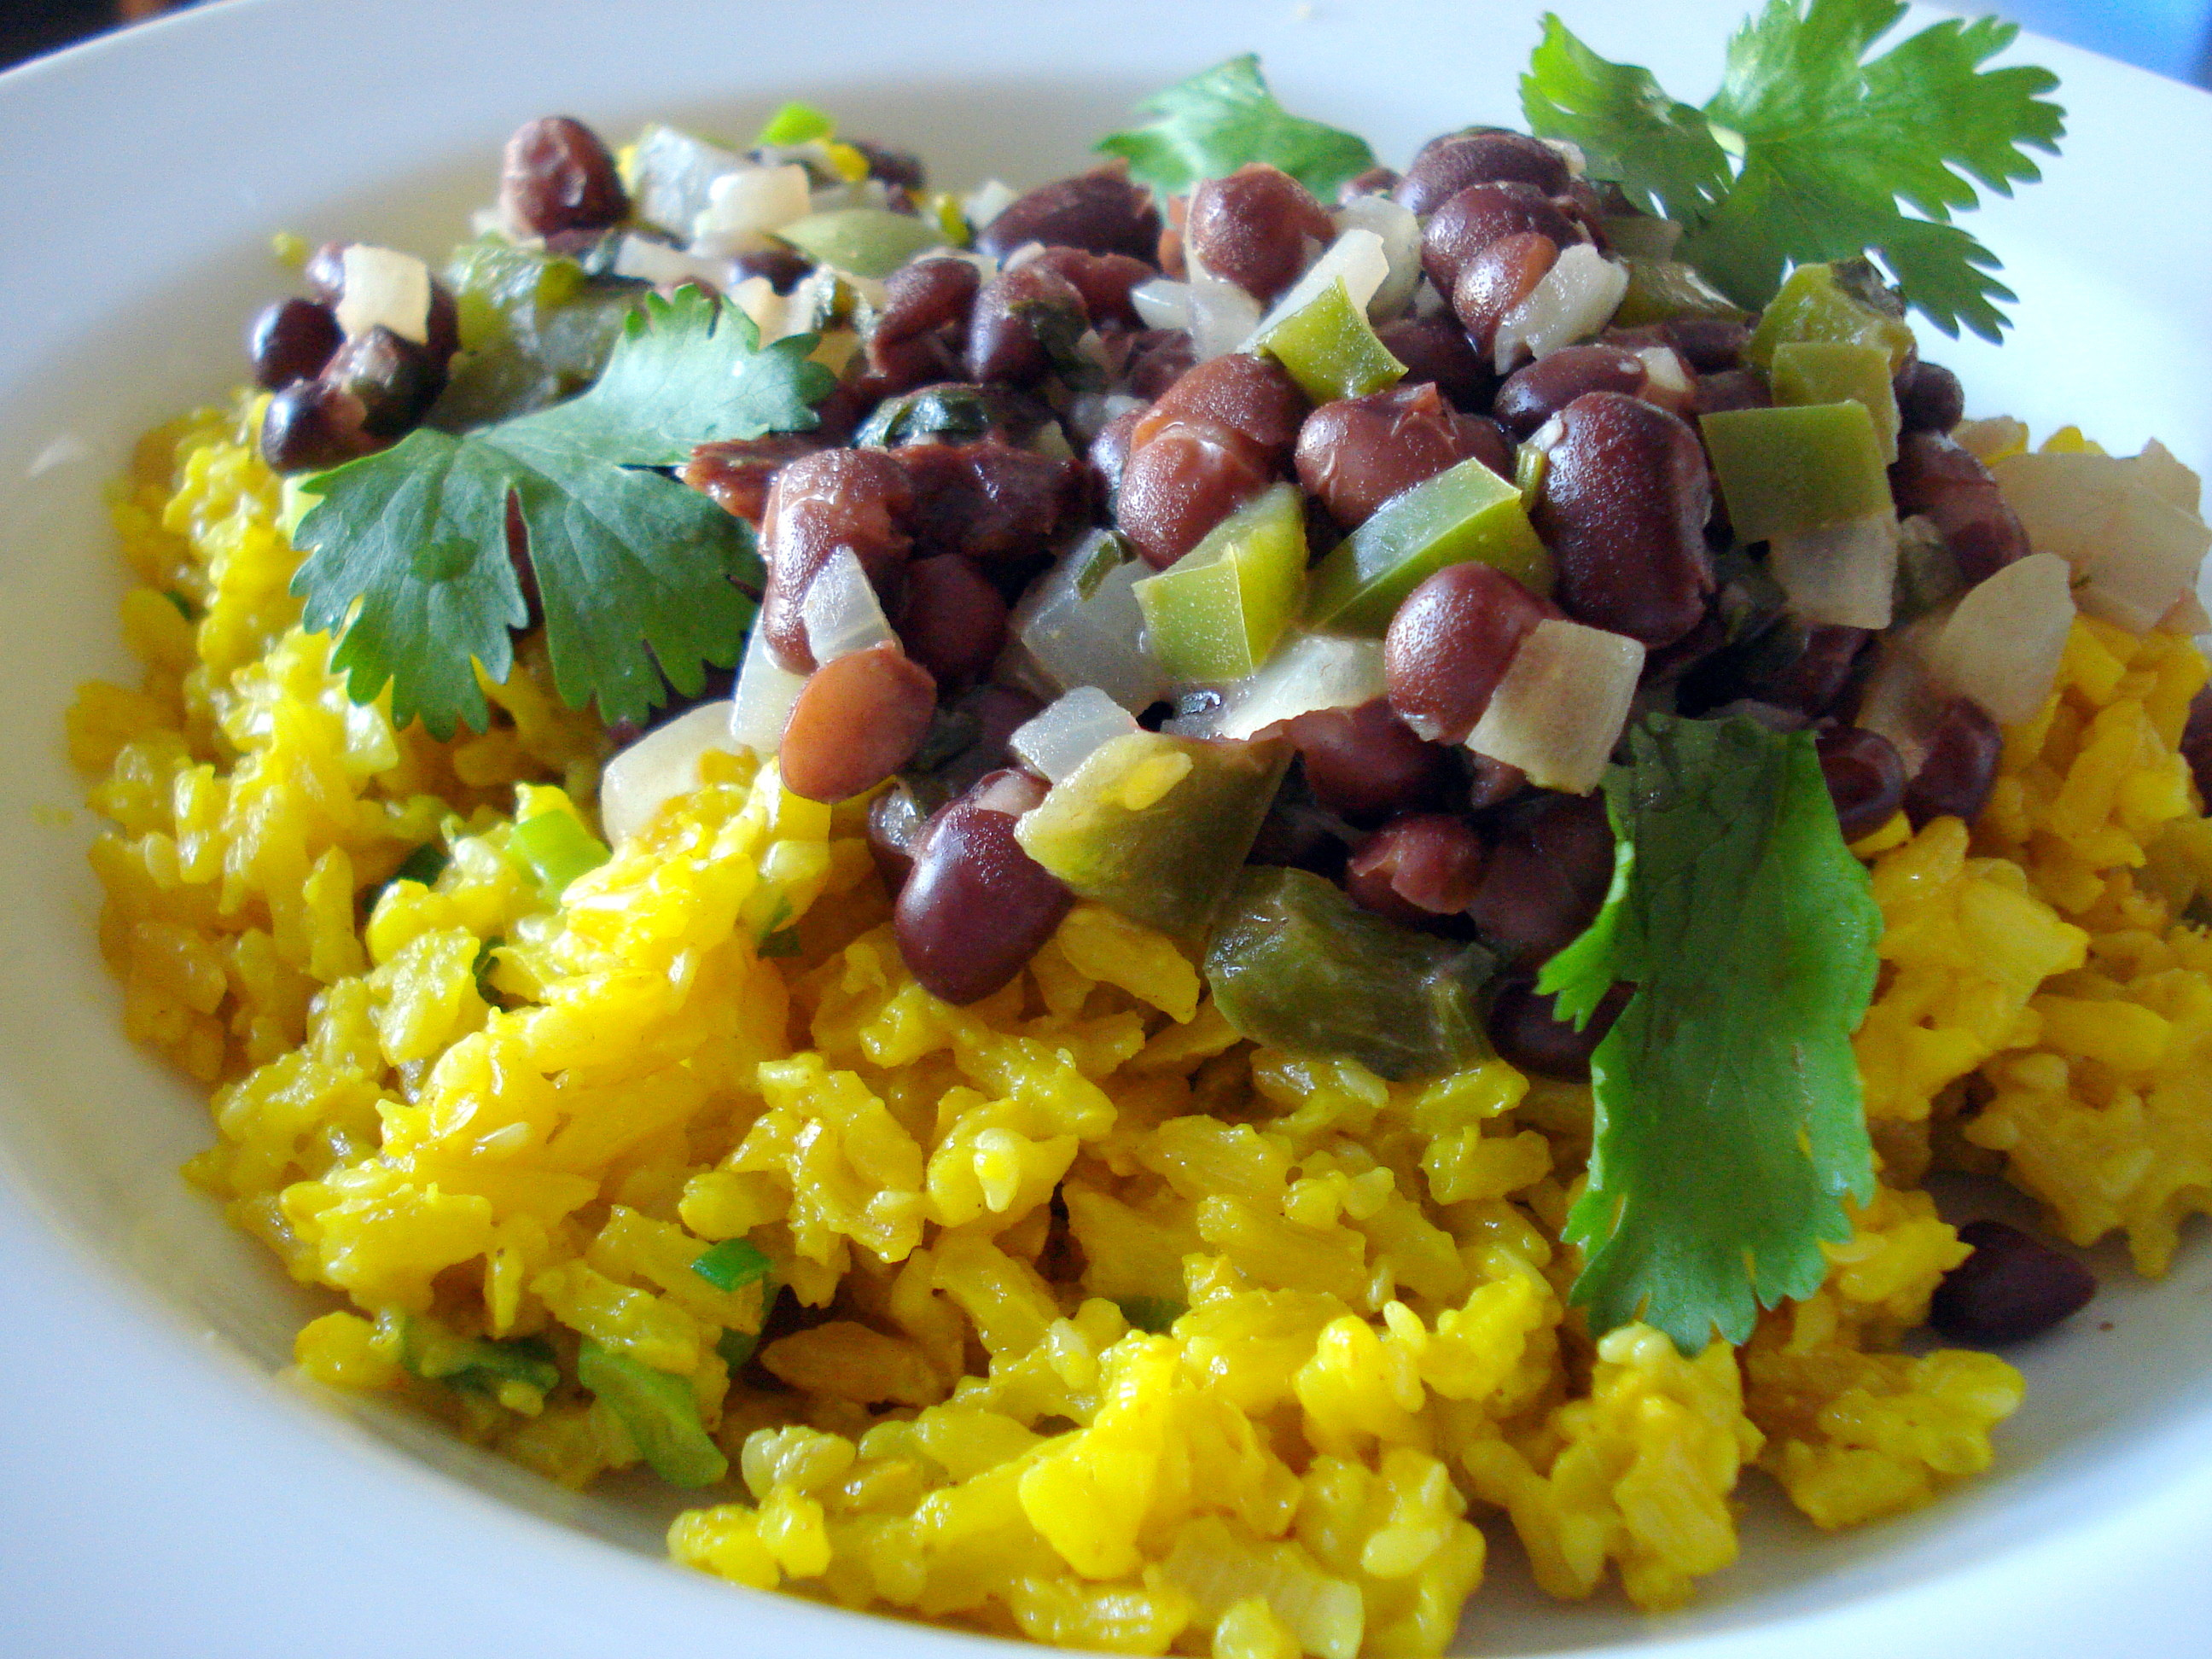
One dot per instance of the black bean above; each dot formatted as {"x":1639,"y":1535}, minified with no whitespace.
{"x":1364,"y":763}
{"x":1533,"y":394}
{"x":1253,"y":397}
{"x":976,"y":906}
{"x":1816,"y":678}
{"x":312,"y":424}
{"x":2196,"y":742}
{"x":922,"y":298}
{"x":1109,"y":454}
{"x":1929,"y":397}
{"x":1436,"y":349}
{"x":1450,"y":643}
{"x":1376,"y":181}
{"x":1157,"y":358}
{"x":1550,"y":864}
{"x":1015,"y":317}
{"x":1708,"y":345}
{"x":1104,"y":281}
{"x":1357,"y":452}
{"x":1182,"y":482}
{"x":557,"y":176}
{"x":291,"y":340}
{"x":1448,"y":165}
{"x":855,"y":498}
{"x":1731,"y":388}
{"x":989,"y":500}
{"x":736,"y":473}
{"x":1947,"y":483}
{"x":784,"y":269}
{"x":1252,"y":227}
{"x":1959,"y":768}
{"x":1484,"y":214}
{"x":1417,"y":867}
{"x":2010,"y":1289}
{"x":1527,"y":1032}
{"x":952,"y":620}
{"x":395,"y":380}
{"x":1498,"y":278}
{"x":1623,"y":507}
{"x":894,"y":167}
{"x":857,"y":720}
{"x":1865,"y":777}
{"x":1101,"y":211}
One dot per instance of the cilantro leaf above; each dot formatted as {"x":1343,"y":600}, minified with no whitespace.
{"x":1827,"y":143}
{"x":1729,"y":1122}
{"x":1215,"y":122}
{"x":408,"y":548}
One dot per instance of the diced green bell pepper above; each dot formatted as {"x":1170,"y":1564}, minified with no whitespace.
{"x":1785,"y":471}
{"x":1156,"y":827}
{"x":1834,"y":371}
{"x":1660,"y":290}
{"x":493,"y":279}
{"x":1464,"y":513}
{"x":1330,"y":348}
{"x":659,"y":1412}
{"x":553,"y":849}
{"x":1842,"y":301}
{"x":1294,"y":964}
{"x":866,"y":241}
{"x":1216,"y":612}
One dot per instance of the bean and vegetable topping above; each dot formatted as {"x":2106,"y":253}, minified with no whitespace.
{"x":1330,"y":566}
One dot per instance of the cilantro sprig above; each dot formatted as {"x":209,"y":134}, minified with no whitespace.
{"x":408,"y":549}
{"x":1809,"y":147}
{"x":1730,"y":1120}
{"x":1220,"y":120}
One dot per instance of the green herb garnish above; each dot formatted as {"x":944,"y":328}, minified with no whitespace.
{"x":659,"y":1411}
{"x":408,"y":553}
{"x":1806,"y":149}
{"x":1730,"y":1123}
{"x":732,"y":1264}
{"x":1215,"y":122}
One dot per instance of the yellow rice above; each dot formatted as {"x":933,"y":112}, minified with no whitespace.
{"x":1376,"y":1354}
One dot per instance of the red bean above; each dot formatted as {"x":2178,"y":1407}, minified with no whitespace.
{"x":1708,"y":345}
{"x":2011,"y":1288}
{"x":1109,"y":454}
{"x":1364,"y":763}
{"x":312,"y":424}
{"x":736,"y":473}
{"x":1015,"y":316}
{"x":1376,"y":181}
{"x":989,"y":500}
{"x":1549,"y":868}
{"x":1623,"y":507}
{"x":1945,"y":481}
{"x":1101,"y":211}
{"x":1252,"y":397}
{"x":1157,"y":358}
{"x":976,"y":906}
{"x":1436,"y":349}
{"x":1533,"y":394}
{"x":1357,"y":452}
{"x":1183,"y":481}
{"x":1252,"y":227}
{"x":953,"y":620}
{"x":1103,"y":280}
{"x":859,"y":719}
{"x":1480,"y":215}
{"x":1865,"y":777}
{"x":556,"y":175}
{"x":1417,"y":868}
{"x":855,"y":498}
{"x":1447,"y":165}
{"x":928,"y":299}
{"x":1527,"y":1032}
{"x":291,"y":340}
{"x":1929,"y":397}
{"x":1959,"y":768}
{"x":1450,"y":645}
{"x":1496,"y":280}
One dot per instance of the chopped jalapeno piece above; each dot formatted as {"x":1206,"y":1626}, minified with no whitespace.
{"x":1467,"y":511}
{"x":866,"y":241}
{"x":1217,"y":612}
{"x":553,"y":849}
{"x":1845,"y":302}
{"x":1294,"y":964}
{"x":1156,"y":827}
{"x":732,"y":1263}
{"x":660,"y":1413}
{"x":1839,"y":371}
{"x":1785,"y":471}
{"x":1329,"y":348}
{"x":1660,"y":290}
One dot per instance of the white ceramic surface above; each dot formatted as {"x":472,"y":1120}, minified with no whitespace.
{"x":163,"y":1491}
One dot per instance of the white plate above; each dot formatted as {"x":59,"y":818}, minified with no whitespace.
{"x":164,"y":1493}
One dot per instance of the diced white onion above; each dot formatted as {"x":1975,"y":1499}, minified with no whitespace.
{"x":2168,"y":478}
{"x":1089,"y":413}
{"x":1558,"y":711}
{"x":648,"y":261}
{"x":2115,"y":521}
{"x":987,"y":203}
{"x":659,"y":766}
{"x":1223,"y":317}
{"x":1074,"y":638}
{"x":760,"y":705}
{"x":672,"y":174}
{"x":1899,"y":701}
{"x":385,"y":288}
{"x":1059,"y":740}
{"x":1162,"y":304}
{"x":1841,"y":576}
{"x":744,"y":205}
{"x":841,"y":611}
{"x":1307,"y":672}
{"x":2002,"y":644}
{"x":1356,"y":259}
{"x":1577,"y":298}
{"x":1986,"y":440}
{"x":1570,"y":152}
{"x":1667,"y":379}
{"x":1401,"y":235}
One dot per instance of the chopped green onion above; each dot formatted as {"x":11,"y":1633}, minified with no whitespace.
{"x":796,"y":124}
{"x":553,"y":849}
{"x":424,"y":864}
{"x":660,"y":1413}
{"x":737,"y":1348}
{"x":1156,"y":1313}
{"x":183,"y":605}
{"x":732,"y":1264}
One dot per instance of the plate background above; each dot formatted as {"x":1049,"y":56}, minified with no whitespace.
{"x":164,"y":1492}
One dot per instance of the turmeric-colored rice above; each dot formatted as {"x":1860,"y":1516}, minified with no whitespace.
{"x":1372,"y":1351}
